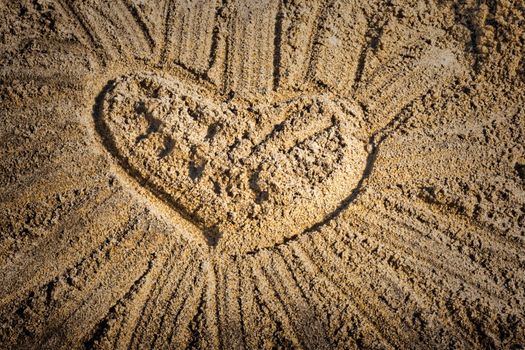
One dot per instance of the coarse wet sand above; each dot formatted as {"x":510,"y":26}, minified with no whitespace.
{"x":262,"y":174}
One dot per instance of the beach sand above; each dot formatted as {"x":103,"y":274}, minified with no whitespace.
{"x":262,"y":174}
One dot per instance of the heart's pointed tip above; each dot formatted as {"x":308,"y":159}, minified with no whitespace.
{"x":212,"y":236}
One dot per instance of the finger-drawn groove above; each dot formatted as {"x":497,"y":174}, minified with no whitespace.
{"x":392,"y":289}
{"x":275,"y":302}
{"x":159,"y":298}
{"x":142,"y":23}
{"x":337,"y":49}
{"x":319,"y":24}
{"x":97,"y":34}
{"x":104,"y":330}
{"x":402,"y":80}
{"x":183,"y":300}
{"x":277,"y":43}
{"x":70,"y":322}
{"x":429,"y":260}
{"x":417,"y":269}
{"x":146,"y":310}
{"x":500,"y":245}
{"x":230,"y":312}
{"x":314,"y":331}
{"x":372,"y":306}
{"x":312,"y":263}
{"x":115,"y":32}
{"x":266,"y":297}
{"x":250,"y":48}
{"x":136,"y":304}
{"x":188,"y":36}
{"x":73,"y":12}
{"x":36,"y":264}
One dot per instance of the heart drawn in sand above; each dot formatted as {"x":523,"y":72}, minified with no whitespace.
{"x":249,"y":176}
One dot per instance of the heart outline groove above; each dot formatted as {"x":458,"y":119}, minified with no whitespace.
{"x":253,"y":174}
{"x":249,"y":176}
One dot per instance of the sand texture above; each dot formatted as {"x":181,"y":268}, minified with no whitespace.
{"x":262,"y":174}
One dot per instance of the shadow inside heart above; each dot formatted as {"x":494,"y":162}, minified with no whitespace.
{"x":248,"y":176}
